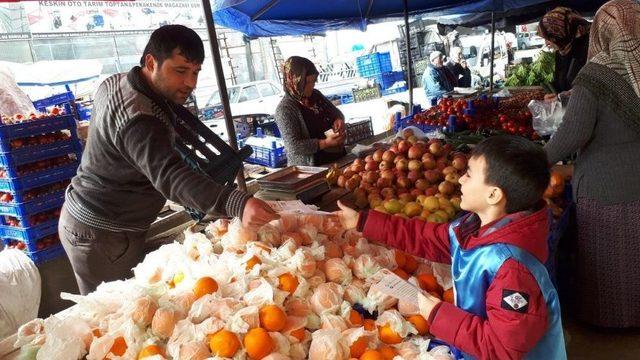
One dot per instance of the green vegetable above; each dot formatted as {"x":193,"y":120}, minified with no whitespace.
{"x":540,"y":72}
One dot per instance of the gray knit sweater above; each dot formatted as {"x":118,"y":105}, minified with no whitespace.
{"x":601,"y":124}
{"x":129,"y":166}
{"x":297,"y":141}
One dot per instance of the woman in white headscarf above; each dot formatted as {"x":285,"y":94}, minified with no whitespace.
{"x":602,"y":124}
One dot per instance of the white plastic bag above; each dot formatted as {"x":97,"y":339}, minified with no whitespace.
{"x":12,"y":99}
{"x":547,"y":116}
{"x":19,"y":291}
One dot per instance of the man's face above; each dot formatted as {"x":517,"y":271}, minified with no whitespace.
{"x":176,"y":78}
{"x":438,"y":62}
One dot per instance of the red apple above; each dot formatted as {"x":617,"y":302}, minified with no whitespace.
{"x":402,"y":165}
{"x":459,"y":162}
{"x":368,"y":158}
{"x":432,"y":176}
{"x":388,"y":156}
{"x":449,"y":170}
{"x":446,"y":188}
{"x":385,"y":165}
{"x":435,"y":149}
{"x":383,"y":183}
{"x":414,"y":175}
{"x":422,"y":184}
{"x":432,"y":191}
{"x":398,"y":158}
{"x":415,"y":152}
{"x":403,"y":182}
{"x":403,"y":146}
{"x":415,"y":165}
{"x":377,"y":155}
{"x":371,"y":165}
{"x":416,"y":192}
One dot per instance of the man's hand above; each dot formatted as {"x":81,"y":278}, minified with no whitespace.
{"x":339,"y":126}
{"x":426,"y":304}
{"x":348,"y":216}
{"x":566,"y":171}
{"x":550,"y":97}
{"x":257,"y":213}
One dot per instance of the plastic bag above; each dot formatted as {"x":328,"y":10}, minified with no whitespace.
{"x":19,"y":291}
{"x":12,"y":99}
{"x":547,"y":116}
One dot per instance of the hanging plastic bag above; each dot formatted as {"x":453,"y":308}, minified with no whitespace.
{"x":19,"y":291}
{"x":12,"y":99}
{"x":547,"y":116}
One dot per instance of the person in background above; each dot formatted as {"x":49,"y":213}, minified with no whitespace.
{"x":312,"y":128}
{"x":602,"y":124}
{"x":130,"y":166}
{"x":437,"y":79}
{"x":458,"y":66}
{"x":566,"y":32}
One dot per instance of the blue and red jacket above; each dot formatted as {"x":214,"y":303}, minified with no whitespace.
{"x":506,"y":307}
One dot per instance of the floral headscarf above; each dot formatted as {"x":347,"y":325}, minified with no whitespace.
{"x":615,"y":40}
{"x":561,"y":26}
{"x":295,"y":72}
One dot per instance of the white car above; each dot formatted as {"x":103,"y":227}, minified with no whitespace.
{"x":258,"y":97}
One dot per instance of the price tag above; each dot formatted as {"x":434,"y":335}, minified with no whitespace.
{"x":391,"y":284}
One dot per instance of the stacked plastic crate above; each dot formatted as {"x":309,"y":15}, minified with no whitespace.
{"x":39,"y":154}
{"x":377,"y":66}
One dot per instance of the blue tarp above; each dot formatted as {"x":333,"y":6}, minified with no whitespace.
{"x":298,"y":17}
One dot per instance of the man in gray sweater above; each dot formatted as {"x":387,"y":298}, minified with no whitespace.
{"x":129,"y":166}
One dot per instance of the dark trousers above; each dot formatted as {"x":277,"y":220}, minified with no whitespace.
{"x":98,"y":255}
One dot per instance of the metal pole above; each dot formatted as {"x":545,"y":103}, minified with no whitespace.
{"x":222,"y":86}
{"x":493,"y":38}
{"x":409,"y":61}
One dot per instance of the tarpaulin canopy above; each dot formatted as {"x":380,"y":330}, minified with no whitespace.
{"x":294,"y":17}
{"x":517,"y":16}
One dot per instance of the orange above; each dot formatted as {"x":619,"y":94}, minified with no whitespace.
{"x":355,"y":318}
{"x":299,"y":334}
{"x":411,"y":265}
{"x":369,"y":324}
{"x":448,"y":296}
{"x":258,"y":343}
{"x":427,"y":282}
{"x":401,"y":259}
{"x":358,"y":347}
{"x":150,"y":351}
{"x":401,"y":273}
{"x":388,"y":336}
{"x":288,"y":283}
{"x":119,"y":346}
{"x":420,"y":323}
{"x":388,"y":353}
{"x":224,"y":343}
{"x":96,"y":332}
{"x":253,"y":262}
{"x":372,"y":355}
{"x":204,"y":286}
{"x":272,"y":318}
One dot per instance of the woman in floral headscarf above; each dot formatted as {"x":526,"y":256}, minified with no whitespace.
{"x":304,"y":117}
{"x":602,"y":124}
{"x":565,"y":31}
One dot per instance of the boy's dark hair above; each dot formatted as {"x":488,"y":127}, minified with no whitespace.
{"x":518,"y":167}
{"x":169,"y":37}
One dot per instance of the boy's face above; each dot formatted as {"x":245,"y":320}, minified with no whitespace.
{"x":477,"y":195}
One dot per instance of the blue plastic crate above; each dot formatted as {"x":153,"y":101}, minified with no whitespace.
{"x":39,"y":204}
{"x":45,"y":255}
{"x":84,"y":113}
{"x":41,"y":256}
{"x":270,"y":128}
{"x":29,"y":235}
{"x":271,"y":157}
{"x":394,"y":91}
{"x":38,"y":178}
{"x":54,"y":100}
{"x":31,"y":154}
{"x":386,"y":80}
{"x":346,"y":99}
{"x":37,"y":127}
{"x":374,"y":64}
{"x":403,"y":122}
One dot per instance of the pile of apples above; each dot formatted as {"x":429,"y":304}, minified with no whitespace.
{"x":414,"y":178}
{"x":21,"y":118}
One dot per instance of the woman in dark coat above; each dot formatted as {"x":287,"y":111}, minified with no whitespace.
{"x":567,"y":32}
{"x":304,"y":116}
{"x":602,"y":124}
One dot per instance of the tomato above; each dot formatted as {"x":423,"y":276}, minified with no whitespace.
{"x":503,"y":119}
{"x":21,"y":246}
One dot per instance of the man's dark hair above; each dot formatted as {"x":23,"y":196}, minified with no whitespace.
{"x":169,"y":37}
{"x":518,"y":167}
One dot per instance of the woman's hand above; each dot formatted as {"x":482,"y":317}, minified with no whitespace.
{"x":338,"y":126}
{"x":333,"y":140}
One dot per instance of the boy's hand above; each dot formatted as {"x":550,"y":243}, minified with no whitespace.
{"x":348,"y":216}
{"x":426,"y":304}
